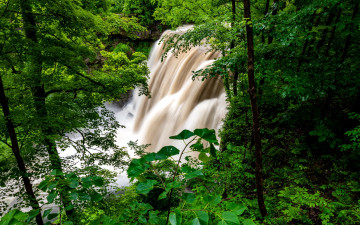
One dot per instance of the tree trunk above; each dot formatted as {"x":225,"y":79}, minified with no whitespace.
{"x":332,"y":33}
{"x":39,"y":97}
{"x":254,"y":107}
{"x":331,"y":93}
{"x":16,"y":151}
{"x":348,"y":37}
{"x":267,"y":5}
{"x":276,"y":2}
{"x":232,"y":45}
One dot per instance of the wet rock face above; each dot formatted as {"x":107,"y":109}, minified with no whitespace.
{"x":152,"y":33}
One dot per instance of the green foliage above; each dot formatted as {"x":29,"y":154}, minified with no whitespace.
{"x":143,"y":9}
{"x":160,"y":187}
{"x":56,"y":77}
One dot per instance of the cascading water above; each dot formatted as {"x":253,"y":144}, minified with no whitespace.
{"x":177,"y":101}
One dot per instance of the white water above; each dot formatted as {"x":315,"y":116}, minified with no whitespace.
{"x":177,"y":102}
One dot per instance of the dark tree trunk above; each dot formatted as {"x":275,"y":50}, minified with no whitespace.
{"x":325,"y":31}
{"x":267,"y":5}
{"x":39,"y":96}
{"x":16,"y":151}
{"x":232,"y":45}
{"x":332,"y":34}
{"x":301,"y":58}
{"x":271,"y":38}
{"x":254,"y":107}
{"x":348,"y":37}
{"x":331,"y":93}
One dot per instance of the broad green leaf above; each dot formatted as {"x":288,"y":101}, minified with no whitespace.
{"x":47,"y":212}
{"x":142,"y":219}
{"x":52,"y":185}
{"x":43,"y":184}
{"x":203,"y":217}
{"x":52,"y":216}
{"x":97,"y":181}
{"x":168,"y":151}
{"x":71,"y":175}
{"x":14,"y":217}
{"x":206,"y":134}
{"x":222,"y":222}
{"x":153,"y":218}
{"x":69,"y":207}
{"x":149,"y":157}
{"x":52,"y":195}
{"x":137,"y":167}
{"x":172,"y":218}
{"x":197,"y":173}
{"x":212,"y":150}
{"x":160,"y":156}
{"x":235,"y":208}
{"x":84,"y":196}
{"x":189,"y":197}
{"x":248,"y":222}
{"x":185,"y":134}
{"x":67,"y":223}
{"x":215,"y":200}
{"x":86,"y":182}
{"x":163,"y":195}
{"x":195,"y":221}
{"x":230,"y":218}
{"x":175,"y":184}
{"x":96,"y":197}
{"x":204,"y":158}
{"x":185,"y":168}
{"x":57,"y":172}
{"x":74,"y":183}
{"x":145,"y":187}
{"x":32,"y":214}
{"x":198,"y":146}
{"x":74,"y":196}
{"x":178,"y":215}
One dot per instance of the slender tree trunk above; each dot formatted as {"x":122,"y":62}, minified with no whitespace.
{"x":16,"y":151}
{"x":232,"y":45}
{"x":332,"y":33}
{"x":276,"y":2}
{"x":38,"y":92}
{"x":301,"y":59}
{"x":348,"y":37}
{"x":331,"y":93}
{"x":270,"y":39}
{"x":325,"y":31}
{"x":267,"y":5}
{"x":254,"y":107}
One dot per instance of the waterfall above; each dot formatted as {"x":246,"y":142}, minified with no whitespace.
{"x":177,"y":101}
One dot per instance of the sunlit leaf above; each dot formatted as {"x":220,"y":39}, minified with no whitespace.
{"x":185,"y":134}
{"x":145,"y":187}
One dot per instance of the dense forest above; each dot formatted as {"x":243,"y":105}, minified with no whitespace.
{"x":288,"y":151}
